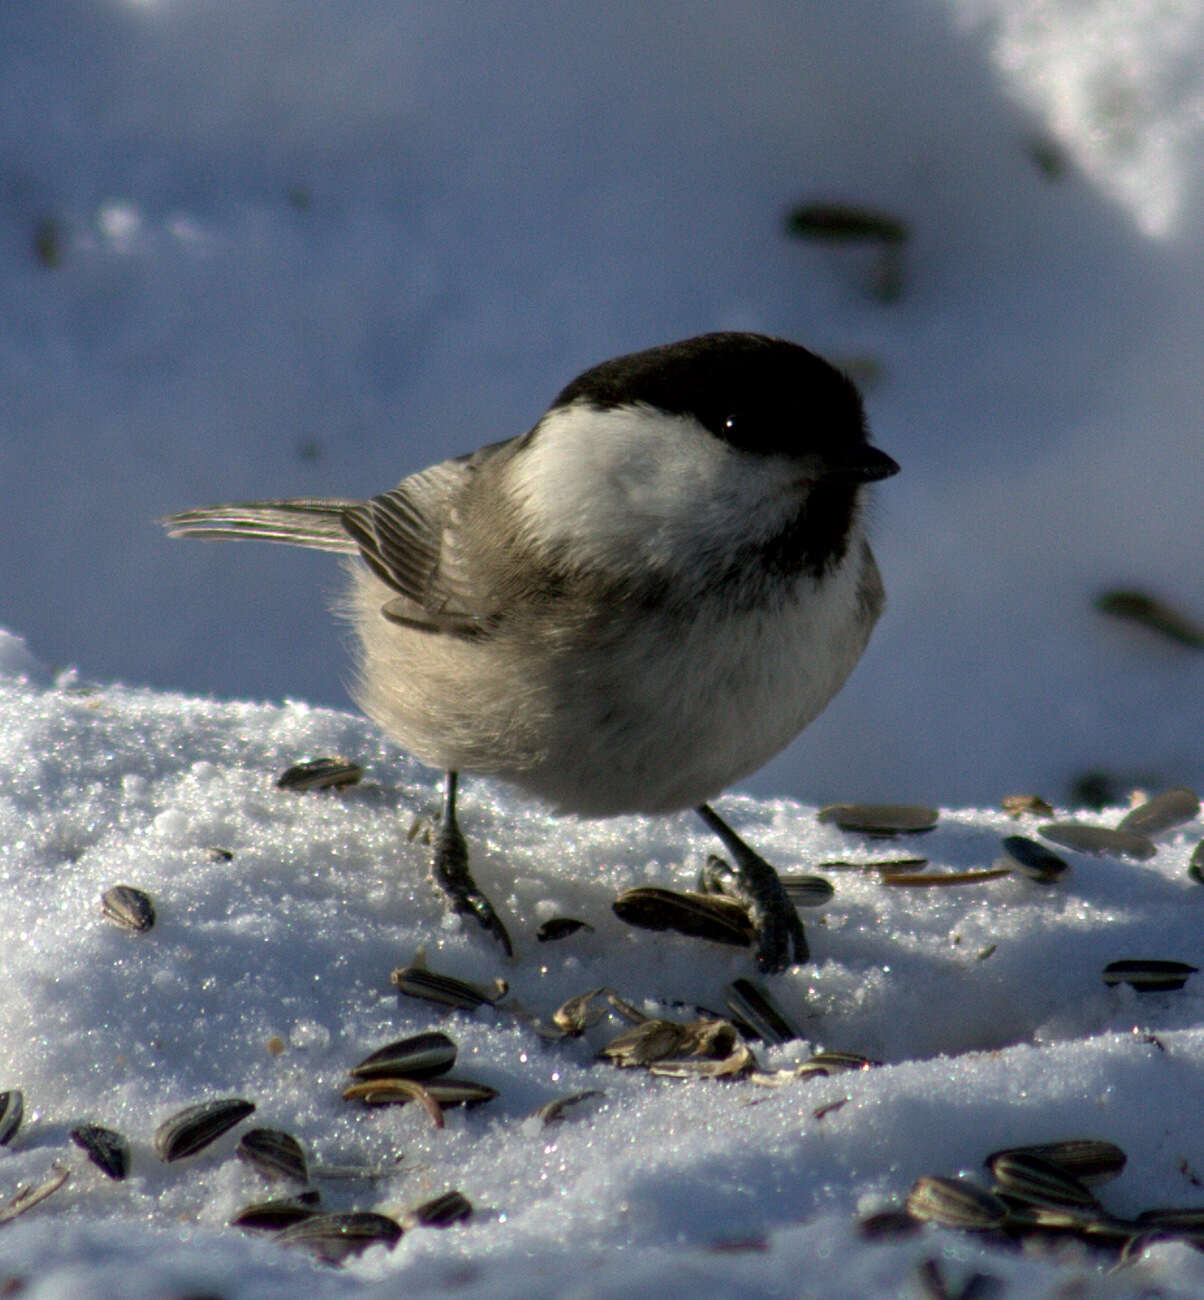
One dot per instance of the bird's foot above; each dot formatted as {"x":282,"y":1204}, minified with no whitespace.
{"x":449,"y":866}
{"x":780,"y":937}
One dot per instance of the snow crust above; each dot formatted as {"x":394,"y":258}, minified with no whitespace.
{"x":266,"y":976}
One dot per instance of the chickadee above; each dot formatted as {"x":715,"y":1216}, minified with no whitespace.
{"x":624,"y":610}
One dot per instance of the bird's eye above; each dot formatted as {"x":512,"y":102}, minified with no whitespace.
{"x":739,"y":429}
{"x":750,"y":430}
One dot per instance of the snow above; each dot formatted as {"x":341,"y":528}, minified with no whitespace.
{"x":299,"y":248}
{"x":266,"y":976}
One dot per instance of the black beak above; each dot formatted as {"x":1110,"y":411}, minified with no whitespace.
{"x":861,"y":463}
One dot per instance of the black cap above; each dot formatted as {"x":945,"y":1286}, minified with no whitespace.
{"x":763,"y":395}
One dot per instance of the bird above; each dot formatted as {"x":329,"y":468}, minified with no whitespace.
{"x":626,"y":609}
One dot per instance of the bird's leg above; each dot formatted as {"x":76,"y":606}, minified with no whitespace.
{"x":780,"y":937}
{"x":450,"y":869}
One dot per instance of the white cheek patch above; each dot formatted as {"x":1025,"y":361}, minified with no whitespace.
{"x":637,"y":485}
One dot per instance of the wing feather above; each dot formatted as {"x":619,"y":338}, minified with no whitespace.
{"x":411,"y":538}
{"x":312,"y":522}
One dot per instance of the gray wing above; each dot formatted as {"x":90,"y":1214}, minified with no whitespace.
{"x":411,"y":537}
{"x":313,"y":522}
{"x":413,"y":540}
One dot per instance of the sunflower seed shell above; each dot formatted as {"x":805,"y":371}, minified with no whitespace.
{"x":440,"y":1212}
{"x":553,"y":1112}
{"x":882,"y":819}
{"x":445,"y":990}
{"x":1107,"y":1228}
{"x":320,"y":774}
{"x":132,"y":909}
{"x":885,"y":865}
{"x":271,"y":1216}
{"x":1037,"y":1181}
{"x":738,"y":1062}
{"x":1188,"y":1217}
{"x":700,"y":916}
{"x":1090,"y":1160}
{"x":628,"y":1010}
{"x":1083,"y":838}
{"x":274,"y":1154}
{"x":577,"y":1014}
{"x":26,"y":1196}
{"x":196,"y":1127}
{"x":829,"y":1063}
{"x":1016,"y":805}
{"x":955,"y":1203}
{"x":107,"y":1150}
{"x":460,"y":1092}
{"x":661,"y":1040}
{"x":1149,"y":975}
{"x":423,"y":1056}
{"x":1032,"y":859}
{"x":1162,"y":813}
{"x":12,"y":1108}
{"x":887,"y":1224}
{"x":650,"y":1041}
{"x":560,"y":927}
{"x":336,"y":1237}
{"x":807,"y":891}
{"x":942,"y":879}
{"x":396,"y":1092}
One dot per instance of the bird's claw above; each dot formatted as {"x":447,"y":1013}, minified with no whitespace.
{"x":780,"y":938}
{"x":450,"y":869}
{"x":471,"y":902}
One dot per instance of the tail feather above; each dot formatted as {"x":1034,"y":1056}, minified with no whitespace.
{"x":310,"y":522}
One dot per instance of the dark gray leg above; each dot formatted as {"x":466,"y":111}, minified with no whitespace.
{"x":450,"y":868}
{"x":755,"y":883}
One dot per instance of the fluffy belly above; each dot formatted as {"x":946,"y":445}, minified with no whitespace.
{"x":711,"y":705}
{"x":635,"y":712}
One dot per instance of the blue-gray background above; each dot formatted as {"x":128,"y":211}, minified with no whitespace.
{"x":310,"y":247}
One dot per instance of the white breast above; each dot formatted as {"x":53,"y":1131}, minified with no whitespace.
{"x":633,"y":487}
{"x":667,"y":717}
